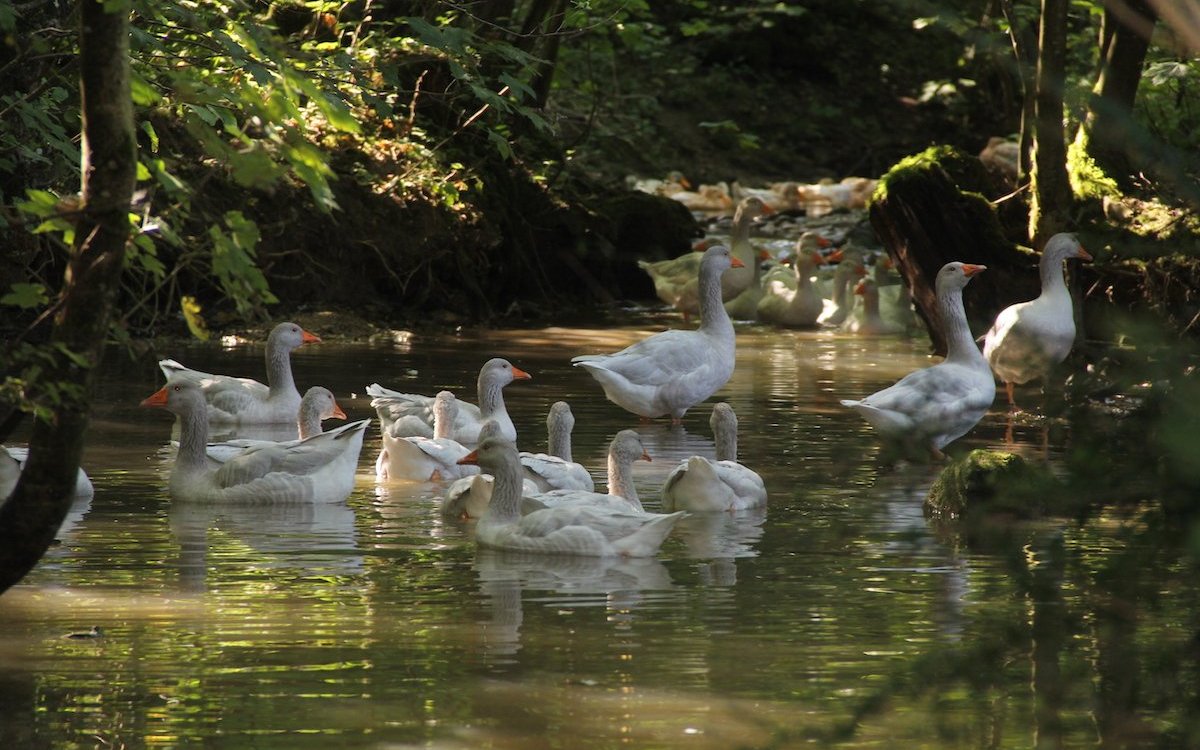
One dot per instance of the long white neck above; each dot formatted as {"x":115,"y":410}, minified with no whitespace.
{"x":739,"y":235}
{"x":871,"y":303}
{"x":559,"y":439}
{"x":960,"y":344}
{"x":309,"y":422}
{"x":804,"y":272}
{"x":620,"y":480}
{"x":714,"y":319}
{"x":841,"y":284}
{"x":725,"y":440}
{"x":279,"y":368}
{"x":505,"y":506}
{"x":1051,"y":270}
{"x":444,"y":413}
{"x":491,"y":396}
{"x":193,"y":439}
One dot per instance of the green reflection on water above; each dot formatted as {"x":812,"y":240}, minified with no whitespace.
{"x":838,"y":617}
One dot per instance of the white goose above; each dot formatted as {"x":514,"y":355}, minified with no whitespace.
{"x":411,"y":415}
{"x":701,"y":484}
{"x":929,"y":408}
{"x":245,"y":401}
{"x":468,"y":497}
{"x":555,"y":470}
{"x":12,"y":463}
{"x":869,"y":321}
{"x":625,"y":448}
{"x":1029,"y":338}
{"x":837,"y":308}
{"x":670,"y":372}
{"x":795,"y":301}
{"x":320,"y":468}
{"x":426,"y":459}
{"x":676,"y":281}
{"x":317,"y":405}
{"x":572,"y":529}
{"x":895,"y":300}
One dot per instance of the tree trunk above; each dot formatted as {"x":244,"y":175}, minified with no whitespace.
{"x":31,"y":516}
{"x":1023,"y":50}
{"x":928,"y":214}
{"x":544,"y":74}
{"x":1106,"y":134}
{"x":1051,"y":194}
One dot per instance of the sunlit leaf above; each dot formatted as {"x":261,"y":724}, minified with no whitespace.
{"x":191,"y":315}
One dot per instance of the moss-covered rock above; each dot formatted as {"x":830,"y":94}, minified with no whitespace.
{"x":928,"y":211}
{"x":986,"y":483}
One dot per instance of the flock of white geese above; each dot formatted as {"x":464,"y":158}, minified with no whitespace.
{"x":546,"y":503}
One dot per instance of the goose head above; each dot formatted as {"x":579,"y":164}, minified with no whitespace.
{"x":626,"y":447}
{"x":319,"y":402}
{"x":501,"y":372}
{"x":1064,"y":246}
{"x":955,"y":275}
{"x":180,"y":397}
{"x":289,"y":336}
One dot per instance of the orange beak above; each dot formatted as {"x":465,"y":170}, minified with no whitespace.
{"x":970,"y":269}
{"x":1083,"y":254}
{"x":822,"y":242}
{"x":834,"y":257}
{"x":860,"y":270}
{"x":860,"y":288}
{"x":646,"y":456}
{"x":159,"y":398}
{"x":519,"y":374}
{"x":337,"y":412}
{"x":471,"y":458}
{"x":685,"y":183}
{"x":763,"y":255}
{"x":735,"y":263}
{"x":309,"y":338}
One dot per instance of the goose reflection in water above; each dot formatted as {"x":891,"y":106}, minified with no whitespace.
{"x":318,"y":537}
{"x":616,"y":583}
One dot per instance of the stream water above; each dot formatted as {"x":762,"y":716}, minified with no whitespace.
{"x":838,"y":616}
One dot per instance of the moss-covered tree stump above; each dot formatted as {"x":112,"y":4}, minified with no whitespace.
{"x":929,"y":210}
{"x":987,"y":483}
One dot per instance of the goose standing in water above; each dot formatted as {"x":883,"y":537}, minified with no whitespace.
{"x":670,"y":372}
{"x":870,"y":322}
{"x":676,"y":281}
{"x":929,"y":408}
{"x":1029,"y":338}
{"x":795,"y":302}
{"x":243,"y":401}
{"x":837,"y":308}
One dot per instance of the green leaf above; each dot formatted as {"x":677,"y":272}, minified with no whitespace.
{"x":142,"y":91}
{"x":152,"y":134}
{"x":79,"y":359}
{"x":25,"y":296}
